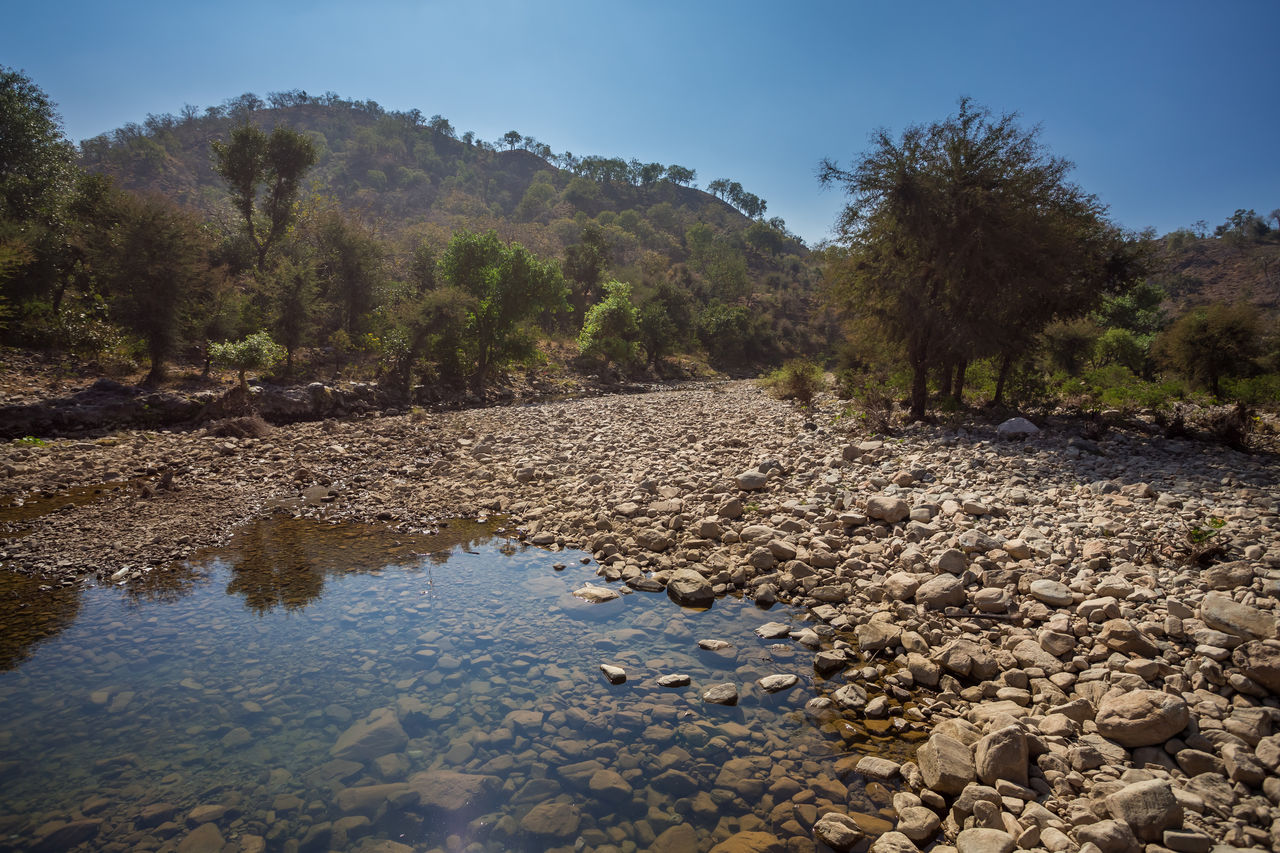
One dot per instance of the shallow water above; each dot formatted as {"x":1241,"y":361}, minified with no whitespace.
{"x":230,"y":694}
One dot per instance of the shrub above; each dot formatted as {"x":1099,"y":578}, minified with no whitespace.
{"x":611,"y":329}
{"x":798,"y":379}
{"x":256,"y":352}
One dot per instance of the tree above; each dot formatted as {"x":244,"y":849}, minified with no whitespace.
{"x":35,"y":158}
{"x":666,"y":320}
{"x":292,"y":287}
{"x":256,"y":352}
{"x":681,"y":175}
{"x":1212,"y":342}
{"x":264,"y":174}
{"x":584,"y":266}
{"x":964,"y":237}
{"x":350,"y":268}
{"x":611,"y":329}
{"x":159,"y":256}
{"x":511,"y":139}
{"x":508,"y":286}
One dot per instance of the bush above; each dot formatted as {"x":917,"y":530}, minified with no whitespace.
{"x":798,"y":379}
{"x":256,"y":352}
{"x":611,"y":329}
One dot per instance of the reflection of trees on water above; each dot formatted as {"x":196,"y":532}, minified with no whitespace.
{"x":29,"y":614}
{"x":283,"y":561}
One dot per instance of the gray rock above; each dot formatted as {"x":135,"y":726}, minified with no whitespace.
{"x":752,"y":481}
{"x":918,"y":823}
{"x":1222,"y":612}
{"x":946,"y":764}
{"x":1002,"y":755}
{"x":776,"y":683}
{"x":721,"y":694}
{"x":1149,"y":808}
{"x":375,"y":735}
{"x":773,"y":630}
{"x":887,"y":508}
{"x":1141,"y":717}
{"x":941,"y":591}
{"x":838,"y":831}
{"x":1110,"y":836}
{"x":615,"y":674}
{"x":595,"y":594}
{"x":1017,"y":428}
{"x":674,"y":680}
{"x":953,"y":561}
{"x":893,"y":842}
{"x":690,"y":589}
{"x":982,"y":840}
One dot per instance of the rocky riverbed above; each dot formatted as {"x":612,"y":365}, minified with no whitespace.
{"x":1035,"y":603}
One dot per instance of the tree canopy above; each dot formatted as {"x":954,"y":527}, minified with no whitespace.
{"x":964,"y":238}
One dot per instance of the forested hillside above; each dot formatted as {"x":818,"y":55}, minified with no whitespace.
{"x":328,"y":223}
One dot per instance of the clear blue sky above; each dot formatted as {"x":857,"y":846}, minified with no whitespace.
{"x":1169,"y":109}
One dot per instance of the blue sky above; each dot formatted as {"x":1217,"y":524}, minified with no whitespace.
{"x":1167,"y":108}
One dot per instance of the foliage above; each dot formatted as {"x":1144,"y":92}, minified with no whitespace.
{"x":264,"y":174}
{"x":964,"y":238}
{"x":508,"y":286}
{"x":35,"y":158}
{"x":1121,"y":347}
{"x":350,"y":269}
{"x":611,"y":329}
{"x":797,"y":379}
{"x":159,"y":257}
{"x":1209,"y":343}
{"x":666,"y":321}
{"x":255,"y":352}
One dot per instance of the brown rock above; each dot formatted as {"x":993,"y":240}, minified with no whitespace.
{"x":1141,"y":717}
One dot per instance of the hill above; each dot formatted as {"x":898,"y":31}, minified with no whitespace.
{"x":1231,"y":268}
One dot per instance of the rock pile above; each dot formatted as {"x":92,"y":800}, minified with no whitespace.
{"x":1031,"y":602}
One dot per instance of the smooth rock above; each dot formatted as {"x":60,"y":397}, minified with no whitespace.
{"x":1141,"y":717}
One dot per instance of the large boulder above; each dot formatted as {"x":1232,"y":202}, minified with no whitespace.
{"x":945,"y":764}
{"x":452,"y":792}
{"x":1223,"y":613}
{"x":1260,"y":662}
{"x":687,"y":587}
{"x":941,"y":591}
{"x":1141,"y":717}
{"x":838,"y":831}
{"x":1149,"y":808}
{"x":1002,"y":755}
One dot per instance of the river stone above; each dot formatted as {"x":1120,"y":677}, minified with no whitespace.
{"x":609,"y":785}
{"x":63,"y":836}
{"x":875,"y":767}
{"x":1149,"y":808}
{"x":653,"y":540}
{"x":953,"y":561}
{"x":877,"y":634}
{"x":1110,"y":836}
{"x":1002,"y":754}
{"x":773,"y":631}
{"x":1260,"y":662}
{"x":838,"y":831}
{"x":205,"y":838}
{"x":1222,"y":612}
{"x":888,"y":509}
{"x":674,"y":680}
{"x":918,"y":823}
{"x":1141,"y":717}
{"x":1120,"y":635}
{"x":554,"y":820}
{"x":721,"y":694}
{"x":981,"y":840}
{"x":615,"y":674}
{"x":752,"y":481}
{"x":451,"y":791}
{"x":941,"y":591}
{"x":747,"y":842}
{"x":893,"y":842}
{"x":595,"y":594}
{"x":1229,"y":576}
{"x":946,"y":764}
{"x":1028,"y":653}
{"x":1051,"y":592}
{"x":775,"y":683}
{"x":689,"y":588}
{"x":377,"y":734}
{"x":1016,"y":428}
{"x":367,"y":799}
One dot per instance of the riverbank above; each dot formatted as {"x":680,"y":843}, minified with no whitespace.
{"x":1035,"y":602}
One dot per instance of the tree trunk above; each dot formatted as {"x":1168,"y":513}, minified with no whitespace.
{"x":962,"y":366}
{"x":1006,"y":363}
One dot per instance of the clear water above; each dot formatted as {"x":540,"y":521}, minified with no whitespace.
{"x":225,"y":694}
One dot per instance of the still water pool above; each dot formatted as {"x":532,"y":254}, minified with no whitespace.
{"x":328,"y":687}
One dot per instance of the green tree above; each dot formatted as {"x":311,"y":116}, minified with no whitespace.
{"x":666,"y":321}
{"x":264,"y":174}
{"x":35,"y":159}
{"x":291,"y":285}
{"x":584,"y":266}
{"x":1213,"y":342}
{"x":964,"y":238}
{"x":681,"y":175}
{"x":256,"y":352}
{"x":611,"y":329}
{"x":159,"y":257}
{"x":508,"y":286}
{"x":511,"y":139}
{"x":350,"y":268}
